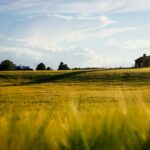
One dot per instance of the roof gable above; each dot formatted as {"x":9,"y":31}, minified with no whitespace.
{"x":142,"y":58}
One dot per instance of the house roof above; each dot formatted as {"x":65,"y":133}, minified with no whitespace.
{"x":141,"y":58}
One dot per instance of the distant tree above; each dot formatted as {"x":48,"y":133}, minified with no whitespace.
{"x":7,"y":65}
{"x":23,"y":68}
{"x":49,"y":68}
{"x":27,"y":68}
{"x":41,"y":66}
{"x":19,"y":67}
{"x":63,"y":66}
{"x":76,"y":68}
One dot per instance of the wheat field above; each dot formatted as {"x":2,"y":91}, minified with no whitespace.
{"x":106,"y":109}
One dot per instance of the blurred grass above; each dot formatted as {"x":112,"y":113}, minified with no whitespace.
{"x":104,"y":76}
{"x":75,"y":110}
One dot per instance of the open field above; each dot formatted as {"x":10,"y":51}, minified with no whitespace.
{"x":75,"y":110}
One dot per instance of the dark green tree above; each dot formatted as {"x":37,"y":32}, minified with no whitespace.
{"x":63,"y":66}
{"x":7,"y":65}
{"x":41,"y":66}
{"x":49,"y":68}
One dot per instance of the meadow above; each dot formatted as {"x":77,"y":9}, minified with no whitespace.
{"x":106,"y":109}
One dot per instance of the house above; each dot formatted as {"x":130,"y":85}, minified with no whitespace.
{"x":142,"y":61}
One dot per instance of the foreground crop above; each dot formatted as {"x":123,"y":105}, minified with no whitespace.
{"x":85,"y":110}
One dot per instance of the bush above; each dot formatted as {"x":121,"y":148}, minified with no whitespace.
{"x":7,"y":65}
{"x":63,"y":66}
{"x":41,"y":66}
{"x":23,"y":68}
{"x":49,"y":68}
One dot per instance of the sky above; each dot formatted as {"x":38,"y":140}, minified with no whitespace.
{"x":81,"y":33}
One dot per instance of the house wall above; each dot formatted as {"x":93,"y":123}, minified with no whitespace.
{"x":139,"y":64}
{"x":144,"y":63}
{"x":147,"y":63}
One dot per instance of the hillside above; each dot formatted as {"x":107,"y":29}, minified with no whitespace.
{"x":108,"y":76}
{"x":23,"y":89}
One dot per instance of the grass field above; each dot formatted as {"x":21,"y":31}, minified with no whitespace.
{"x":75,"y":110}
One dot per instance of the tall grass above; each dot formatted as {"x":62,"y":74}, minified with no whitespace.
{"x":120,"y":127}
{"x":82,"y":111}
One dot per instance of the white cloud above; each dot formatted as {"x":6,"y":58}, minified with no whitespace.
{"x":68,"y":29}
{"x":68,"y":18}
{"x":106,"y":21}
{"x":132,"y":44}
{"x":78,"y":6}
{"x":47,"y":37}
{"x":90,"y":7}
{"x":46,"y":43}
{"x":90,"y":58}
{"x":102,"y":19}
{"x":103,"y":33}
{"x":20,"y":47}
{"x":111,"y":31}
{"x":22,"y":5}
{"x":20,"y":51}
{"x":96,"y":60}
{"x":99,"y":6}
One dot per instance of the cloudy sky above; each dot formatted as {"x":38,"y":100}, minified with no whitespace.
{"x":82,"y":33}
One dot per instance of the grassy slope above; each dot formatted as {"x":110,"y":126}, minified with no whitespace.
{"x":102,"y":109}
{"x":100,"y":76}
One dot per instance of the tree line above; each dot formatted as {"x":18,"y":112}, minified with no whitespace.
{"x":7,"y":65}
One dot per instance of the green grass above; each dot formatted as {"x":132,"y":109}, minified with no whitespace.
{"x":75,"y":110}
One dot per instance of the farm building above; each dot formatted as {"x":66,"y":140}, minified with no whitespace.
{"x":142,"y":61}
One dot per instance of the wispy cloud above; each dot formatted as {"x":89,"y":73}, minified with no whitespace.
{"x":41,"y":35}
{"x":71,"y":30}
{"x":97,"y":33}
{"x":21,"y":5}
{"x":99,"y":6}
{"x":20,"y":52}
{"x":132,"y":44}
{"x":67,"y":6}
{"x":111,"y":31}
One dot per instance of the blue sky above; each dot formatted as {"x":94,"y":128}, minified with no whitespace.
{"x":82,"y":33}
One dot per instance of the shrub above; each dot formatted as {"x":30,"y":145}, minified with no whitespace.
{"x":63,"y":66}
{"x":7,"y":65}
{"x":41,"y":66}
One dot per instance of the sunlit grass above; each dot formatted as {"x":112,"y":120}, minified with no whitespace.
{"x":111,"y":127}
{"x":81,"y":111}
